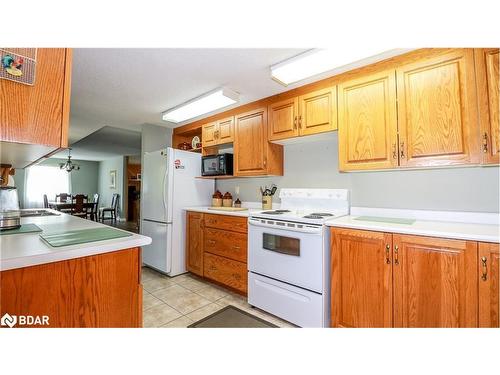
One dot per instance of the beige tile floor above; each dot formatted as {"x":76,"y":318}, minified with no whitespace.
{"x":176,"y":302}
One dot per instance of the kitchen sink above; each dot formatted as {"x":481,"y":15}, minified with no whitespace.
{"x":31,"y":213}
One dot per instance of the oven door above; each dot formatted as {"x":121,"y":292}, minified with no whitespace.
{"x":294,"y":256}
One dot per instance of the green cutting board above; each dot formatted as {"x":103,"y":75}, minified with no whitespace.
{"x":392,"y":220}
{"x":75,"y":237}
{"x":25,"y":228}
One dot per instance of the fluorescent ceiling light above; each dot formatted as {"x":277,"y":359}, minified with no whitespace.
{"x":314,"y":62}
{"x":203,"y":104}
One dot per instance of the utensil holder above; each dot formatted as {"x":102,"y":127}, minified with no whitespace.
{"x":267,"y":202}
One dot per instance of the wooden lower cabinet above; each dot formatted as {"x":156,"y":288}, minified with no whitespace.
{"x":225,"y":243}
{"x":435,"y":282}
{"x":489,"y":285}
{"x":361,"y":279}
{"x":194,"y":242}
{"x":226,"y":271}
{"x":216,"y":248}
{"x":392,"y":280}
{"x":96,"y":291}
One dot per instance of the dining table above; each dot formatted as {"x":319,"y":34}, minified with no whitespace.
{"x":59,"y":206}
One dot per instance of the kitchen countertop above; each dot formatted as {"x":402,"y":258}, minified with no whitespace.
{"x":205,"y":210}
{"x":28,"y":249}
{"x":483,"y":229}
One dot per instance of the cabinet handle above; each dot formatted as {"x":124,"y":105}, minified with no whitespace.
{"x":402,"y":150}
{"x":300,"y":121}
{"x":212,"y":268}
{"x":295,"y":123}
{"x":211,"y":242}
{"x":387,"y":254}
{"x":265,"y":162}
{"x":394,"y":151}
{"x":485,"y":142}
{"x":484,"y":276}
{"x":396,"y":254}
{"x":236,"y":247}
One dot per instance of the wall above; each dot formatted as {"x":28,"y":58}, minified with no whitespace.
{"x":155,"y":138}
{"x":84,"y":181}
{"x":315,"y":165}
{"x":105,"y":192}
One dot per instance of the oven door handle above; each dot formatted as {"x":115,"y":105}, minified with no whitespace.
{"x":318,"y":230}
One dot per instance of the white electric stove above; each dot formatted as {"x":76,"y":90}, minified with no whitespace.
{"x":288,"y":255}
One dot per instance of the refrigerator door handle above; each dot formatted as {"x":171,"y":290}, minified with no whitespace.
{"x":165,"y":193}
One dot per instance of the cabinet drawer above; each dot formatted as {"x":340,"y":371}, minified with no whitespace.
{"x":225,"y":243}
{"x":233,"y":223}
{"x":226,"y":271}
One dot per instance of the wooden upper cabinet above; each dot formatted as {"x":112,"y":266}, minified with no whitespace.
{"x":367,"y":122}
{"x":225,"y":130}
{"x":283,"y":119}
{"x":435,"y":282}
{"x":361,"y":284}
{"x":437,"y":111}
{"x":311,"y":113}
{"x":253,"y":154}
{"x":208,"y":134}
{"x":39,"y":113}
{"x":488,"y":91}
{"x":318,"y":111}
{"x":194,"y":242}
{"x":489,"y":285}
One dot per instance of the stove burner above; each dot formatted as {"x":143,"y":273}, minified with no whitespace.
{"x":321,"y":214}
{"x":272,"y":212}
{"x":312,"y":216}
{"x":282,"y":211}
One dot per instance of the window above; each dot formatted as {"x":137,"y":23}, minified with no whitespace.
{"x":42,"y":180}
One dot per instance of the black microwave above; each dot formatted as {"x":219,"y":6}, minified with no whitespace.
{"x":217,"y":165}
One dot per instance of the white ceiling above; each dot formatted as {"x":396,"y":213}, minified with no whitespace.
{"x":125,"y":88}
{"x":105,"y":143}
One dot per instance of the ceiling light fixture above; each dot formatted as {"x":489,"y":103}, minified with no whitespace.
{"x":314,"y":62}
{"x":69,"y":165}
{"x":205,"y":103}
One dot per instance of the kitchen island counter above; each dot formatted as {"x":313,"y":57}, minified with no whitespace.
{"x":28,"y":249}
{"x":94,"y":284}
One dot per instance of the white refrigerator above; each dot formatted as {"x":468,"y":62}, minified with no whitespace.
{"x":169,"y":184}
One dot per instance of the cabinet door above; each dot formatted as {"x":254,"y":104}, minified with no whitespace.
{"x":435,"y":282}
{"x":209,"y":134}
{"x":368,"y":123}
{"x":283,"y":119}
{"x":194,"y":242}
{"x":489,"y":285}
{"x":318,"y":111}
{"x":250,"y":151}
{"x":361,"y":278}
{"x":38,"y":114}
{"x":487,"y":61}
{"x":225,"y":130}
{"x":437,"y":111}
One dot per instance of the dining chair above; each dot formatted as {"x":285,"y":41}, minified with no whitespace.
{"x":62,"y":197}
{"x":111,"y":209}
{"x":45,"y":201}
{"x":78,"y":208}
{"x":95,"y":208}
